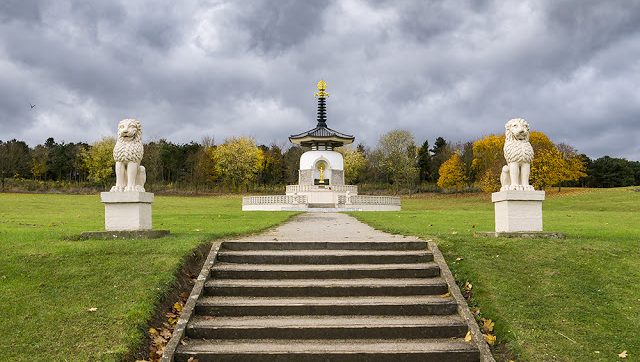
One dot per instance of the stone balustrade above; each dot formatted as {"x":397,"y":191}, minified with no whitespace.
{"x":374,"y":200}
{"x":337,"y":188}
{"x":274,"y":199}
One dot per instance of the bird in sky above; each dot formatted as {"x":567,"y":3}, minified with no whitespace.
{"x":32,"y":105}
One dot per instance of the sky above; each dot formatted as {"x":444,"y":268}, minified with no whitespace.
{"x":194,"y":69}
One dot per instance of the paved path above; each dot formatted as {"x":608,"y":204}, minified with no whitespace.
{"x":326,"y":227}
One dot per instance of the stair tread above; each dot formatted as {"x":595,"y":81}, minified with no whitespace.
{"x":337,"y":301}
{"x":318,"y":267}
{"x":323,"y":252}
{"x":324,"y":346}
{"x":288,"y":283}
{"x":315,"y":321}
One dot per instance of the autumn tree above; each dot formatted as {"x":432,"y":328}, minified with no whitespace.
{"x":453,"y":173}
{"x":237,"y":162}
{"x":39,"y":157}
{"x":354,"y":164}
{"x":395,"y":157}
{"x":98,"y":160}
{"x":487,"y":162}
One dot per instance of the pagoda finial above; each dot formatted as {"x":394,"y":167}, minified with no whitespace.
{"x":322,"y":87}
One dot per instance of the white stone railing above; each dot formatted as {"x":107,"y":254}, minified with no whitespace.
{"x":338,"y":188}
{"x":274,"y":199}
{"x":374,"y":200}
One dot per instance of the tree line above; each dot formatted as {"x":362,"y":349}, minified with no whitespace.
{"x":395,"y":164}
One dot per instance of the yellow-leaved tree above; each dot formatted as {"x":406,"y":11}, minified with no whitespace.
{"x":487,"y":162}
{"x":452,"y":173}
{"x":98,"y":160}
{"x":237,"y":162}
{"x":354,"y":164}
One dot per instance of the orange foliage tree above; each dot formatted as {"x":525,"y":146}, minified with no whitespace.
{"x":452,"y":173}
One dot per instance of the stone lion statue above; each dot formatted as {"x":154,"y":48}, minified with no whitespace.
{"x":130,"y":175}
{"x":519,"y":154}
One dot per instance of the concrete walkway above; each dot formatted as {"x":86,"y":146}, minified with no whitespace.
{"x":323,"y":226}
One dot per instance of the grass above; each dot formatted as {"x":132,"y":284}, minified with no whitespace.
{"x":576,"y":299}
{"x":48,"y":282}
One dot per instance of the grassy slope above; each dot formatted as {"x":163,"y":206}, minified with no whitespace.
{"x":47,"y":283}
{"x":552,"y":300}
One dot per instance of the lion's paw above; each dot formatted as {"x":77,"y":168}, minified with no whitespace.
{"x":514,"y":187}
{"x":529,"y":188}
{"x":117,"y":189}
{"x":129,"y":188}
{"x":139,"y":188}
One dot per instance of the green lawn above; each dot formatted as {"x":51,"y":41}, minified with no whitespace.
{"x":48,"y":282}
{"x":576,"y":299}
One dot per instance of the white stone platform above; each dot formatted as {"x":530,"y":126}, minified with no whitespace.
{"x":127,"y":211}
{"x":316,"y":198}
{"x":517,"y":210}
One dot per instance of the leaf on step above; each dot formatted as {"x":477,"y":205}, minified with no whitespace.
{"x":191,"y":359}
{"x":166,"y":334}
{"x":491,"y":339}
{"x":445,"y":295}
{"x":623,"y":354}
{"x":467,"y":338}
{"x":487,"y":325}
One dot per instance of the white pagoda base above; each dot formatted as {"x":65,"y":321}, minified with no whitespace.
{"x":318,"y":198}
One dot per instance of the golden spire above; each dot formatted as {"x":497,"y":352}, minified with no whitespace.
{"x":322,"y":87}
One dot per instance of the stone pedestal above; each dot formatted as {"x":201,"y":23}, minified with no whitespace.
{"x":518,"y":210}
{"x":127,"y":211}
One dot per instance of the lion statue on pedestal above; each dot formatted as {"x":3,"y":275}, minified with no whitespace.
{"x":519,"y":154}
{"x":130,"y":175}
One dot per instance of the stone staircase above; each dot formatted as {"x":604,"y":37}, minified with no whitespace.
{"x":324,"y":301}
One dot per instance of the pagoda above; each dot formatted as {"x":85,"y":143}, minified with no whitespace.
{"x":321,"y":165}
{"x":321,"y":184}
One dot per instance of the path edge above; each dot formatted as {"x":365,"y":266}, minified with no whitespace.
{"x":189,"y":307}
{"x":463,"y":307}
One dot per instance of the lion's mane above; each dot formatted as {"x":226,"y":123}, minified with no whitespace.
{"x":129,"y":149}
{"x":516,"y":150}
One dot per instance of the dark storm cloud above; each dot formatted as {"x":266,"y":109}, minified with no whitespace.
{"x":189,"y":69}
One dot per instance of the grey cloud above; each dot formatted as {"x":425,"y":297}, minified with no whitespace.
{"x":457,"y":69}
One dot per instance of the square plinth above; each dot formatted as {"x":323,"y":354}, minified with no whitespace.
{"x":518,"y":210}
{"x":128,"y":211}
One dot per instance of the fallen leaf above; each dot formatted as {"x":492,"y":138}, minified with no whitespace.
{"x":178,"y":307}
{"x":487,"y":325}
{"x":445,"y":295}
{"x":459,"y":259}
{"x":467,"y":338}
{"x":191,"y":359}
{"x":173,"y":320}
{"x":468,"y":286}
{"x":166,"y":333}
{"x":184,"y":295}
{"x":491,"y":339}
{"x":153,"y":331}
{"x":92,"y":309}
{"x":475,"y":310}
{"x":623,"y":354}
{"x":454,"y":233}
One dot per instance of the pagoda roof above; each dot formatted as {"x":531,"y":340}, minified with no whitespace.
{"x":322,"y":133}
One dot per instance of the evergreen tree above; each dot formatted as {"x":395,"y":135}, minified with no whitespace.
{"x":424,"y":161}
{"x":441,"y":152}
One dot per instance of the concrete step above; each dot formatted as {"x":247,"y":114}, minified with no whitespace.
{"x":327,"y":327}
{"x":381,"y":305}
{"x":325,"y":287}
{"x":325,"y":256}
{"x":324,"y":245}
{"x":326,"y":271}
{"x":442,"y":350}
